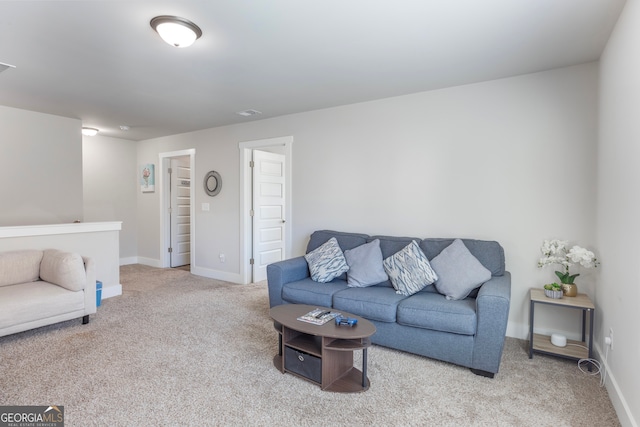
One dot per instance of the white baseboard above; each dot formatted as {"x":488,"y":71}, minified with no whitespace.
{"x":111,"y":291}
{"x":216,"y":274}
{"x":199,"y":271}
{"x":129,"y":260}
{"x":615,"y":394}
{"x":517,"y":330}
{"x":149,"y":261}
{"x":140,"y":260}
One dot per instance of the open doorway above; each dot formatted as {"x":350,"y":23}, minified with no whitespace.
{"x":177,"y":219}
{"x":179,"y":212}
{"x":265,"y":182}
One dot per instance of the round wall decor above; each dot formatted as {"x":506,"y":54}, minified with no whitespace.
{"x":212,"y":183}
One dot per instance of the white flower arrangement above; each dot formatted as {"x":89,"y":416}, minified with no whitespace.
{"x":555,"y":252}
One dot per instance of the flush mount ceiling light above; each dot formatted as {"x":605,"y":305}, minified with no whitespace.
{"x":249,"y":113}
{"x":176,"y":31}
{"x":89,"y":131}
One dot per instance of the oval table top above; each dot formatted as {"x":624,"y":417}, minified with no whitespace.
{"x":287,"y":315}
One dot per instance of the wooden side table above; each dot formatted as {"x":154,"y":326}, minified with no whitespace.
{"x":574,"y":350}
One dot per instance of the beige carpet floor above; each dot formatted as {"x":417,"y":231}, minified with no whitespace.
{"x":179,"y":350}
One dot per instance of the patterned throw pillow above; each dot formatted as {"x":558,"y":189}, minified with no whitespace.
{"x":409,"y":270}
{"x":327,"y":261}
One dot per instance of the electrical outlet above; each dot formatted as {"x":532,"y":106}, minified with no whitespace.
{"x":222,"y":258}
{"x":611,"y":338}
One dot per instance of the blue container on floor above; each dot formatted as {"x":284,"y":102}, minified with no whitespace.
{"x":98,"y":293}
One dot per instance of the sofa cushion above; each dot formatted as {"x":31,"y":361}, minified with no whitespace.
{"x":306,"y":291}
{"x":489,"y":253}
{"x":390,"y":245}
{"x":459,"y":272}
{"x":365,"y":265}
{"x":28,"y":302}
{"x":64,"y":269}
{"x":433,"y":311}
{"x":345,"y":240}
{"x":409,"y":270}
{"x":326,"y":262}
{"x":19,"y":266}
{"x":374,"y":302}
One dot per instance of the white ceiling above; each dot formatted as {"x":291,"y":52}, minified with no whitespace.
{"x":101,"y":62}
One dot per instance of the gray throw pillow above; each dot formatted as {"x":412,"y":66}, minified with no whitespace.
{"x":64,"y":269}
{"x":409,"y":270}
{"x":459,"y":272}
{"x":326,"y":262}
{"x":365,"y":265}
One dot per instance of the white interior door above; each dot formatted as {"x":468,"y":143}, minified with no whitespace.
{"x":268,"y":211}
{"x":179,"y":211}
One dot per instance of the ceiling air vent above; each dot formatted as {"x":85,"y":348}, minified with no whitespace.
{"x":249,"y":113}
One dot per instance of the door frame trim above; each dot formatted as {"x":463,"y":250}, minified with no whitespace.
{"x":246,"y":247}
{"x":163,"y":184}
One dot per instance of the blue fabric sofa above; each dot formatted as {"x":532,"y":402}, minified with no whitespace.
{"x":468,"y":332}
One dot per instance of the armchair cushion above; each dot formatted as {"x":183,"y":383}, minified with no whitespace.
{"x":20,"y":266}
{"x":63,"y":269}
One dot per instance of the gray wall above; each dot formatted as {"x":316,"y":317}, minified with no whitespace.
{"x":511,"y":160}
{"x":40,"y":168}
{"x":110,"y":187}
{"x":618,"y":292}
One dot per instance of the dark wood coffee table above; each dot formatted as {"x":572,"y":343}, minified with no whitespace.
{"x":322,"y":354}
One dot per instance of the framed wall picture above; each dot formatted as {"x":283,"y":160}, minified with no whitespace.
{"x":147,"y":178}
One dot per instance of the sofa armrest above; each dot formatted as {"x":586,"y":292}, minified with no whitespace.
{"x":90,"y":287}
{"x":282,"y":272}
{"x":492,"y":310}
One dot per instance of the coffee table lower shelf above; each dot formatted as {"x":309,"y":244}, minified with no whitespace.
{"x":321,"y":354}
{"x":350,"y":382}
